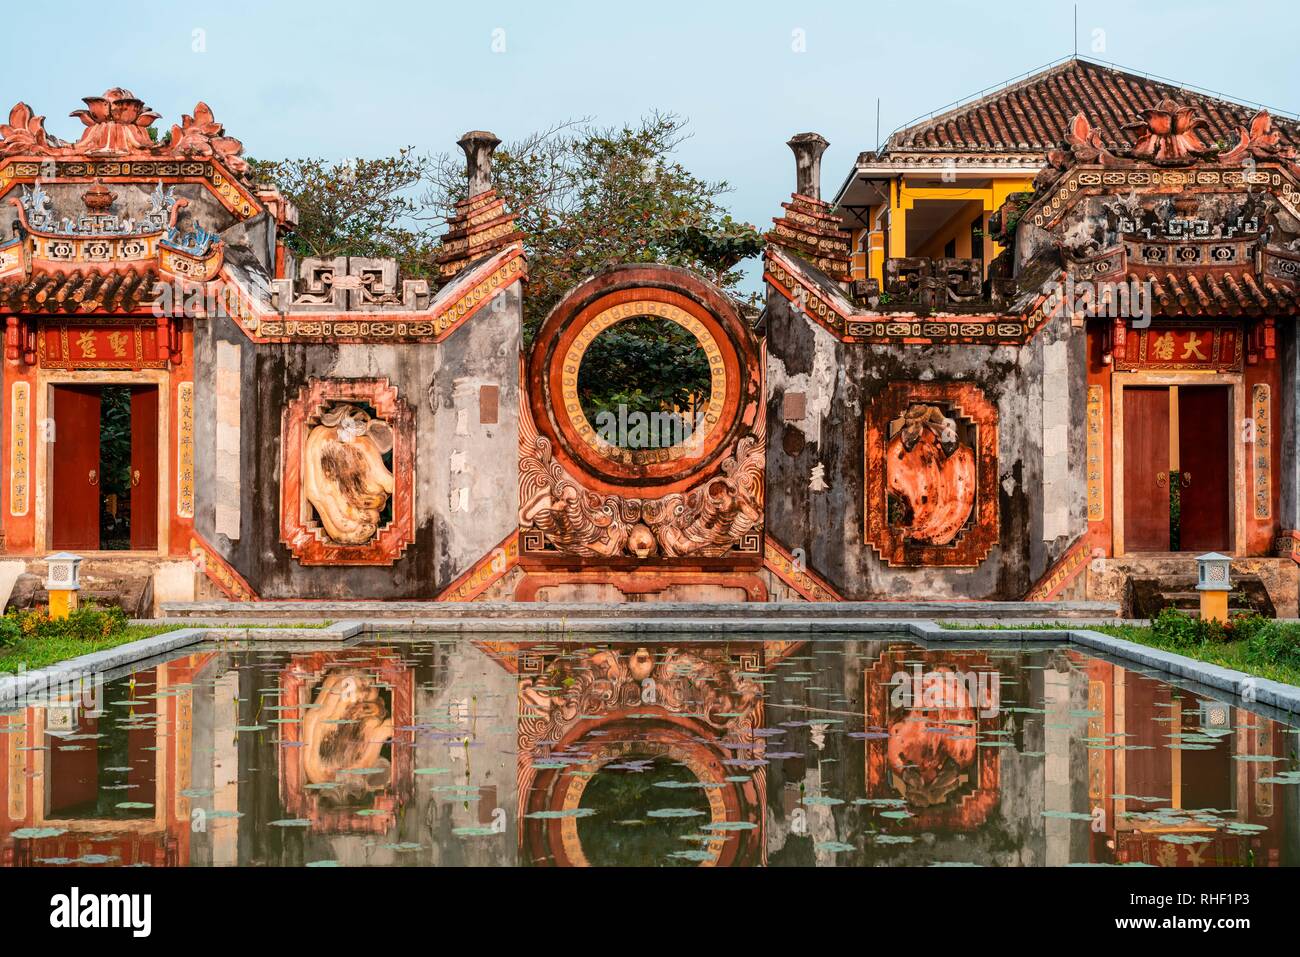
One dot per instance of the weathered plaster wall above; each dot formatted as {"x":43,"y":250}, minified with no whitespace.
{"x":1038,"y":522}
{"x":1289,"y":427}
{"x":465,"y":473}
{"x":132,"y":201}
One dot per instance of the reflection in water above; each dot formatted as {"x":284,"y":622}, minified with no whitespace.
{"x":835,"y":753}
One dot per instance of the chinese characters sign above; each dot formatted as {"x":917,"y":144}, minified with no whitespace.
{"x":19,"y":448}
{"x":1209,"y":348}
{"x":118,"y":346}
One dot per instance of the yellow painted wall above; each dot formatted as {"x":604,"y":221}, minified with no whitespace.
{"x":903,"y":198}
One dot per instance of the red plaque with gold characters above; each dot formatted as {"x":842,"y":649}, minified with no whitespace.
{"x":1207,"y":347}
{"x":118,"y":345}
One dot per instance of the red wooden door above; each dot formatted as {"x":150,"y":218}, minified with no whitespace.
{"x":1146,"y":469}
{"x":1204,"y":455}
{"x":144,"y":467}
{"x":74,"y":464}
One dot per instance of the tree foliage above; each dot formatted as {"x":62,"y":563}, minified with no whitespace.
{"x":588,"y":197}
{"x":361,"y":207}
{"x":585,"y":197}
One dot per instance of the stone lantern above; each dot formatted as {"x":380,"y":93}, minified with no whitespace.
{"x":63,"y":581}
{"x":1212,"y":581}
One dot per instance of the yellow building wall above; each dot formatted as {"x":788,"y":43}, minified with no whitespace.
{"x":903,"y":198}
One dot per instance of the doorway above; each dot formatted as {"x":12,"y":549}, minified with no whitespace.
{"x":104,"y":465}
{"x":1177,"y":468}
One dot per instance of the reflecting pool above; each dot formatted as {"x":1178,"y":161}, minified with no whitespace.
{"x":451,"y":751}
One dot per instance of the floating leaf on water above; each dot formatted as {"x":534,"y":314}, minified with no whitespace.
{"x":700,"y":856}
{"x":292,"y":822}
{"x":324,"y":864}
{"x":730,"y":826}
{"x":833,"y":847}
{"x":135,"y":805}
{"x":675,"y":812}
{"x":473,"y":831}
{"x":33,"y":833}
{"x":572,"y":812}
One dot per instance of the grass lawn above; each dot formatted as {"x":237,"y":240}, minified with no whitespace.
{"x":31,"y":653}
{"x":1226,"y":654}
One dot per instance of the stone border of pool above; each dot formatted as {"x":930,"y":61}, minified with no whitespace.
{"x":27,"y":684}
{"x":1249,"y":688}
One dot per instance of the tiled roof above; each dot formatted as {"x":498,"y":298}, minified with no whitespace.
{"x":1031,"y":115}
{"x":91,"y":291}
{"x":1217,"y":293}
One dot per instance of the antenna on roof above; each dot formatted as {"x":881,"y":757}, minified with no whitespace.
{"x":877,"y":124}
{"x":1076,"y":29}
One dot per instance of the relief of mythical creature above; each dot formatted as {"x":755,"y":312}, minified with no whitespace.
{"x":343,"y":473}
{"x":925,"y":767}
{"x":706,"y":520}
{"x":932,"y":474}
{"x":607,"y":681}
{"x":345,"y":731}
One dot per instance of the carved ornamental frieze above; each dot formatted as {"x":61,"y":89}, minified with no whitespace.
{"x":947,"y":781}
{"x":1216,"y":227}
{"x":346,"y":495}
{"x":931,"y":495}
{"x":118,"y":124}
{"x":614,"y":708}
{"x":586,"y":498}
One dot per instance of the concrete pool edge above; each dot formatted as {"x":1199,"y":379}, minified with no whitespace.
{"x":24,"y":684}
{"x":1250,"y":688}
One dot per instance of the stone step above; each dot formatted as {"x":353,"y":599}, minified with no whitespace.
{"x":340,"y":610}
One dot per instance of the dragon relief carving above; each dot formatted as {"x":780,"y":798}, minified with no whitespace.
{"x":932,"y":474}
{"x":344,"y":476}
{"x":705,"y":521}
{"x":704,"y":685}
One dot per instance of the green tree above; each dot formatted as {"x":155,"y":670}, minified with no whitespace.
{"x":585,"y":197}
{"x":588,"y":197}
{"x":362,"y":207}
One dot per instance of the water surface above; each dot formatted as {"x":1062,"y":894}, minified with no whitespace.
{"x":447,"y":751}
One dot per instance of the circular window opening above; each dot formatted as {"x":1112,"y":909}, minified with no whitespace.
{"x":645,"y":818}
{"x":644,"y":385}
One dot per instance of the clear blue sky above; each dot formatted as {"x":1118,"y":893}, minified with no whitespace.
{"x":342,"y":79}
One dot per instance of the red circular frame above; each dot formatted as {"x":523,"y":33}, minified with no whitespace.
{"x":618,"y":286}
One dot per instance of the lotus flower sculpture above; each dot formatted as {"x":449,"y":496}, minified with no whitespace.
{"x":117,"y":122}
{"x":1167,"y":134}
